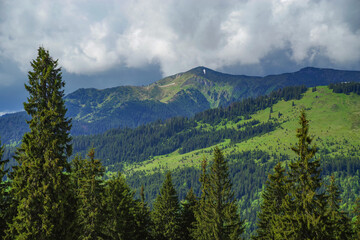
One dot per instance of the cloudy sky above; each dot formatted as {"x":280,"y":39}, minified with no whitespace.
{"x":106,"y":43}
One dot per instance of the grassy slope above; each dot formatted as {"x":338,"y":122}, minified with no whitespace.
{"x":333,"y":118}
{"x":89,"y":102}
{"x":334,"y":123}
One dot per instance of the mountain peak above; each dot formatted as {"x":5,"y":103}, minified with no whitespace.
{"x":200,"y":70}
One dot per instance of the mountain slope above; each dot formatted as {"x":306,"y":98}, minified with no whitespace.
{"x":243,"y":126}
{"x":184,"y":94}
{"x":334,"y":121}
{"x":253,"y":135}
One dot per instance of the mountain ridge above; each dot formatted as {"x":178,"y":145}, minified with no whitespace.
{"x":184,"y":94}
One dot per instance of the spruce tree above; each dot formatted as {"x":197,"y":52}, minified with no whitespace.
{"x":202,"y":229}
{"x":143,"y":217}
{"x":339,"y":226}
{"x":218,"y":217}
{"x":5,"y":198}
{"x":189,"y":206}
{"x":124,"y":215}
{"x":166,"y":212}
{"x":89,"y":192}
{"x":272,"y":208}
{"x":305,"y":216}
{"x":356,"y":224}
{"x":39,"y":185}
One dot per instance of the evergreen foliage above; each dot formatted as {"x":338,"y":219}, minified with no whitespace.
{"x":306,"y":205}
{"x":356,"y":212}
{"x":89,"y":193}
{"x":49,"y":200}
{"x":40,"y":187}
{"x":217,"y":217}
{"x":295,"y":205}
{"x":5,"y":198}
{"x":95,"y":111}
{"x":164,"y":137}
{"x":202,"y":229}
{"x":143,"y":218}
{"x":346,"y":87}
{"x":188,"y":219}
{"x":124,"y":216}
{"x":272,"y":206}
{"x":166,"y":213}
{"x":339,"y":226}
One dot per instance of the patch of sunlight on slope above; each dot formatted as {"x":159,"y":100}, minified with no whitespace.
{"x":334,"y":118}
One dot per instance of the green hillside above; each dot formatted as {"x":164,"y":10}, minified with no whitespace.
{"x":334,"y":124}
{"x":95,"y":111}
{"x":254,"y":134}
{"x":183,"y":94}
{"x":335,"y":120}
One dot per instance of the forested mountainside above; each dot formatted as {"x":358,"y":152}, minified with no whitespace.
{"x":254,"y":135}
{"x":44,"y":196}
{"x":127,"y":146}
{"x":185,"y":94}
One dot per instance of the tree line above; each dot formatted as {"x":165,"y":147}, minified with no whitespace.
{"x":345,"y":87}
{"x":162,"y":137}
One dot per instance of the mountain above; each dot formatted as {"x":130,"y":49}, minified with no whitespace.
{"x":254,"y":135}
{"x":95,"y":111}
{"x":183,"y":94}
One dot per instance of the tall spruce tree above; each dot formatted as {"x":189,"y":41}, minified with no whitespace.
{"x":202,"y":230}
{"x":273,"y":197}
{"x":189,"y":206}
{"x":218,"y":218}
{"x":5,"y":198}
{"x":89,"y":192}
{"x":305,"y":216}
{"x":143,"y":217}
{"x":124,"y":216}
{"x":166,"y":213}
{"x":339,"y":225}
{"x":40,"y":186}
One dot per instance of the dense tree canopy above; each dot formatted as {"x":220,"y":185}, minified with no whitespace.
{"x":39,"y":185}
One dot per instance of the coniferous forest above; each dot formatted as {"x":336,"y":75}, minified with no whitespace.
{"x":46,"y":197}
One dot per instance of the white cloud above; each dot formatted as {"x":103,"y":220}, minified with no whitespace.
{"x":94,"y":36}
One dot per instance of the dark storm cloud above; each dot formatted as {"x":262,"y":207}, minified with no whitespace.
{"x":114,"y":77}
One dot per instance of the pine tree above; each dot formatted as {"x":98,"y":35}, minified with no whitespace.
{"x":5,"y":198}
{"x":356,"y":223}
{"x":272,"y":208}
{"x":339,"y":225}
{"x":143,"y":217}
{"x":124,"y":215}
{"x":89,"y":191}
{"x":305,"y":216}
{"x":166,"y":212}
{"x":188,"y":219}
{"x":39,"y":185}
{"x":218,"y":218}
{"x":202,"y":229}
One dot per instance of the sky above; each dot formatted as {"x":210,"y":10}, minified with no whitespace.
{"x":108,"y":43}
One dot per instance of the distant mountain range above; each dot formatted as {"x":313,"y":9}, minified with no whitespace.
{"x":95,"y":111}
